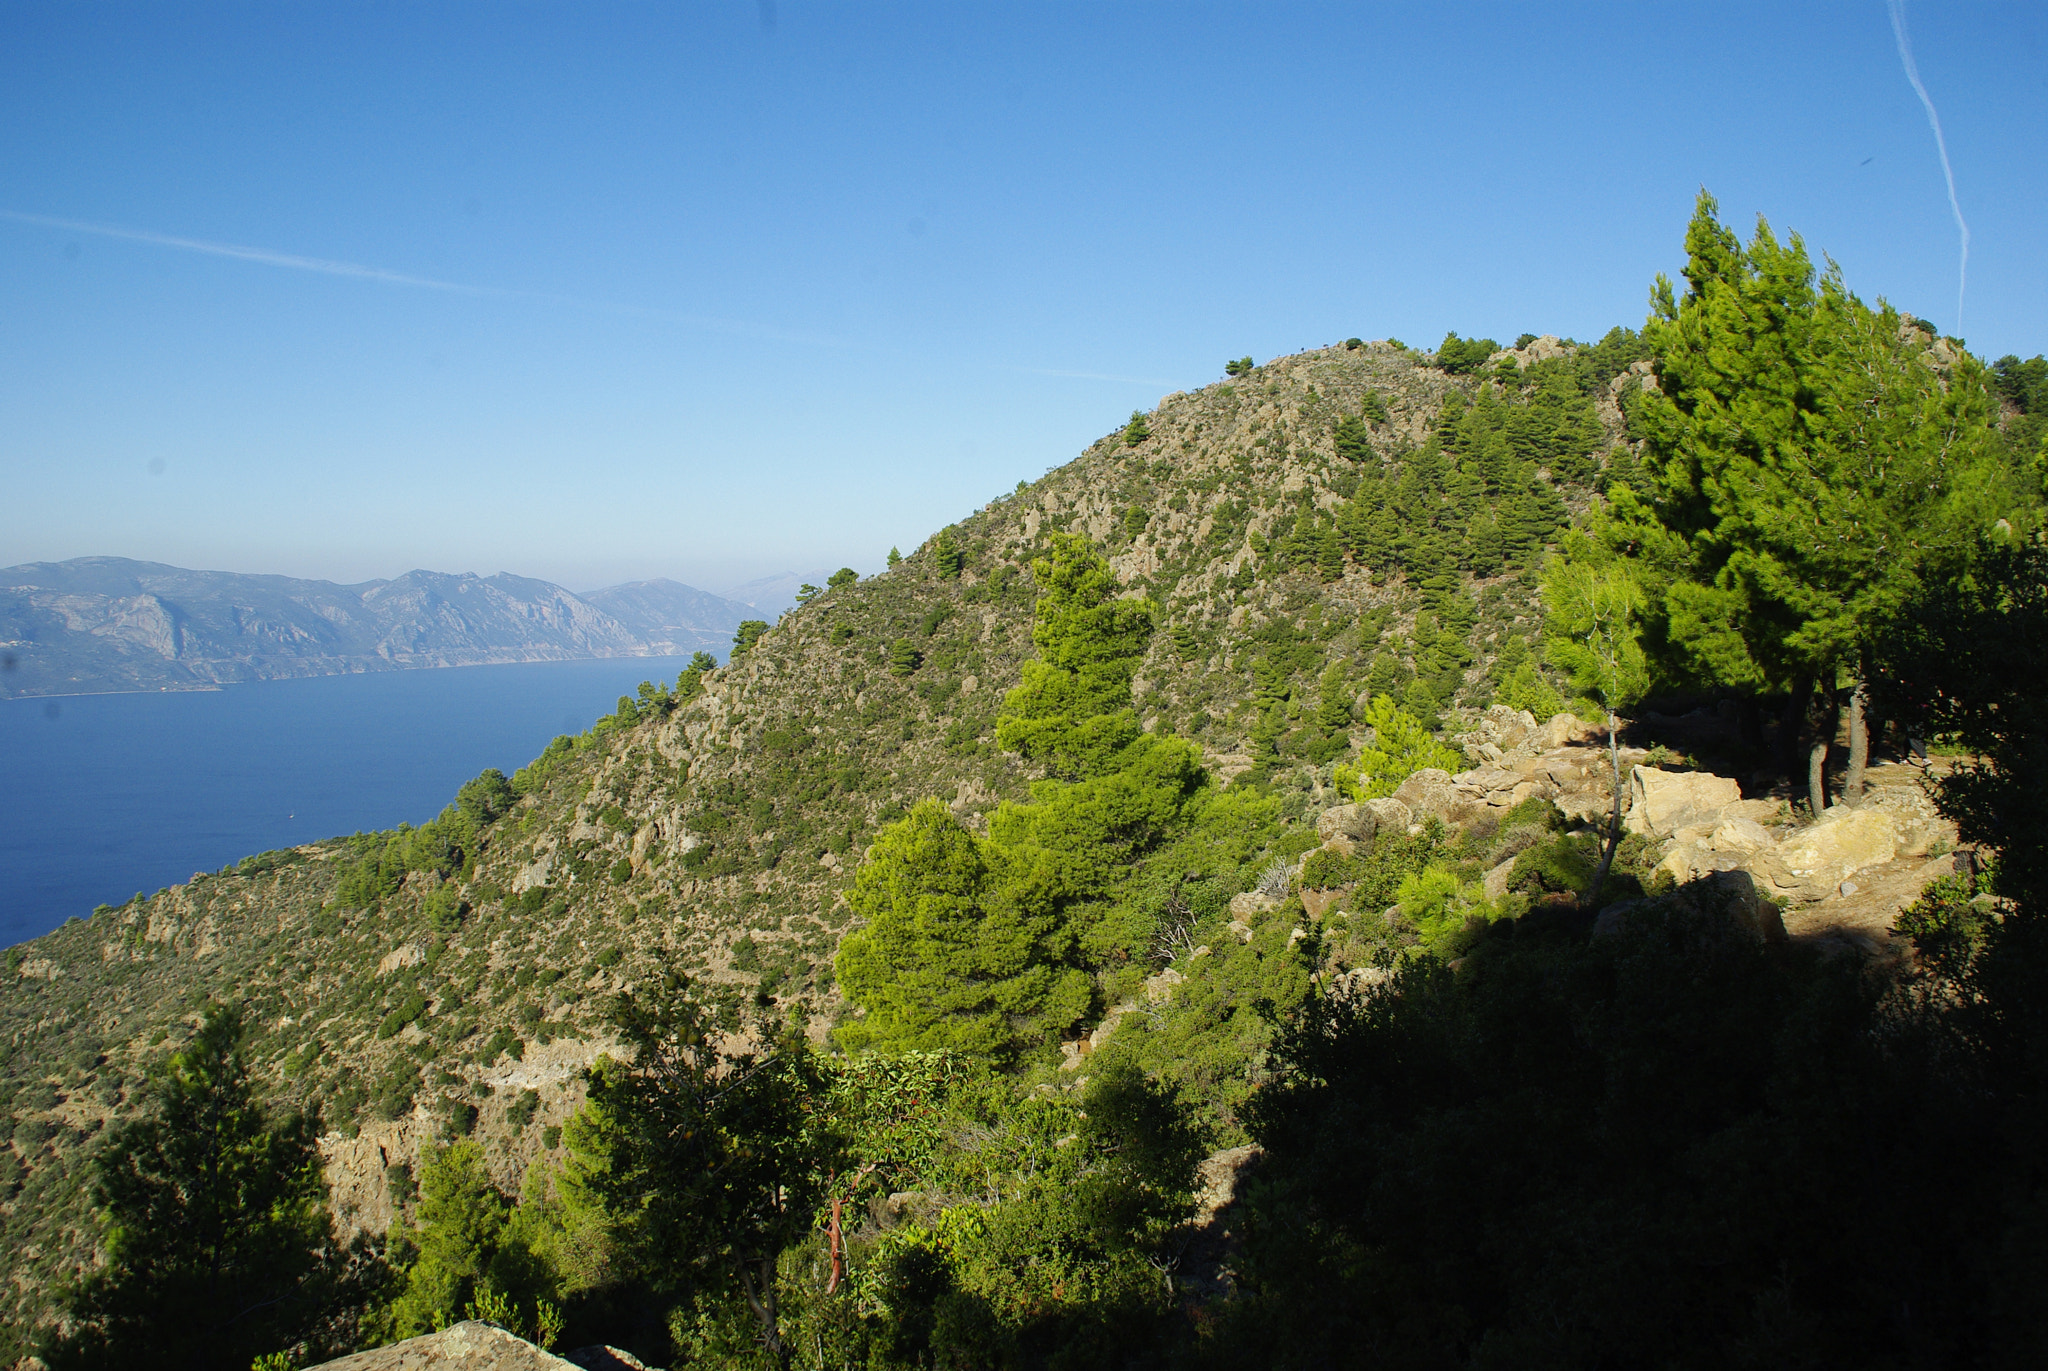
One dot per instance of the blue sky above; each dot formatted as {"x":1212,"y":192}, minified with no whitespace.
{"x":714,"y":290}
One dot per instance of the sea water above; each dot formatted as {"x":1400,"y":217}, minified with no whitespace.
{"x":105,"y":795}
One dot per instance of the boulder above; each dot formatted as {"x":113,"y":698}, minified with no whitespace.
{"x":1391,"y":815}
{"x":1750,"y":904}
{"x":1840,"y":843}
{"x":1159,"y":989}
{"x":466,"y":1346}
{"x":1661,"y":802}
{"x":1251,"y":904}
{"x":603,"y":1357}
{"x":1913,"y":818}
{"x":1352,"y":822}
{"x":1562,"y":730}
{"x":1430,"y":791}
{"x":1735,"y":834}
{"x":1320,"y":902}
{"x":1497,"y":879}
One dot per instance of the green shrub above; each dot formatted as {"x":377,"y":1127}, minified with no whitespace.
{"x":410,"y":1010}
{"x":1326,"y":869}
{"x":520,"y":1112}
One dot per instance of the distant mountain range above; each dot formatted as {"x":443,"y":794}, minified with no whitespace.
{"x":108,"y":623}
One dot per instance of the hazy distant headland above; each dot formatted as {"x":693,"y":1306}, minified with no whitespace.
{"x":96,"y":624}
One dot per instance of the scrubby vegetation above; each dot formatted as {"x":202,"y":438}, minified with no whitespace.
{"x":873,"y":999}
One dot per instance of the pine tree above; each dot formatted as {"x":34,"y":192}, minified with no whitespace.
{"x":1594,"y":635}
{"x":1137,"y":430}
{"x":1401,"y":745}
{"x":1073,"y":708}
{"x":214,"y":1222}
{"x":947,"y":556}
{"x":708,"y":1165}
{"x":945,"y":959}
{"x":1353,"y":439}
{"x":1784,"y":408}
{"x":465,"y":1249}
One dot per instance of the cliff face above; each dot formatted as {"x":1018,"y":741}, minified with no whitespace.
{"x":718,"y":838}
{"x":106,"y":623}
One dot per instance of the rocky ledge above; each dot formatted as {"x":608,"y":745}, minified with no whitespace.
{"x":1847,"y":874}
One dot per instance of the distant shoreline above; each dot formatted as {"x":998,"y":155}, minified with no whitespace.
{"x":202,"y":687}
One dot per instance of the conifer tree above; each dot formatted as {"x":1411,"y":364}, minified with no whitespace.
{"x":1353,"y":439}
{"x":466,"y":1251}
{"x":708,"y":1164}
{"x":1072,"y":711}
{"x":947,"y":958}
{"x":947,"y":557}
{"x":214,"y":1222}
{"x":1400,"y":746}
{"x":1785,"y":408}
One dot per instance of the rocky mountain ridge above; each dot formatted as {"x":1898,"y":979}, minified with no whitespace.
{"x":1331,"y":527}
{"x":108,"y":623}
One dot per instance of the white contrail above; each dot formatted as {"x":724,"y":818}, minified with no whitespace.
{"x":357,"y":271}
{"x":1898,"y":9}
{"x":268,"y":258}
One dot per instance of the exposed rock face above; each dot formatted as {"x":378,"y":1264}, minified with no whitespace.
{"x":1355,"y":822}
{"x":1841,"y":843}
{"x":1390,"y":814}
{"x":1213,"y":1239}
{"x":1661,"y":802}
{"x":1251,"y":904}
{"x":467,"y":1346}
{"x":1431,"y":791}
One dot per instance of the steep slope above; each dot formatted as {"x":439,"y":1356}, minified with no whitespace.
{"x":107,"y":623}
{"x":1349,"y":521}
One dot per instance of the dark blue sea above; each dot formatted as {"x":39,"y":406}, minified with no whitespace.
{"x":105,"y":795}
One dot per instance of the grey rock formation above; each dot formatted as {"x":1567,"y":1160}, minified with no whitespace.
{"x":106,"y":623}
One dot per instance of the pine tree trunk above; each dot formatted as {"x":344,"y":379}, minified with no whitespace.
{"x":1859,"y":744}
{"x":1817,"y":751}
{"x":1614,"y":820}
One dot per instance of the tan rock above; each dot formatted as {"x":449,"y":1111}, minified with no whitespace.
{"x":1391,"y":815}
{"x":466,"y":1346}
{"x":1741,"y":835}
{"x":1353,"y":822}
{"x":1662,"y":801}
{"x":1496,"y":881}
{"x":1842,"y":842}
{"x":1251,"y":904}
{"x":1320,"y":902}
{"x":1159,"y":989}
{"x":1913,"y":817}
{"x":1430,"y":791}
{"x":1562,"y":729}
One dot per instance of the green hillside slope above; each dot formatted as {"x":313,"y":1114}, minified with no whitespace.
{"x":1352,"y":520}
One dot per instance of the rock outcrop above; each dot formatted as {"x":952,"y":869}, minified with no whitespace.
{"x":467,"y":1346}
{"x":1849,"y":872}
